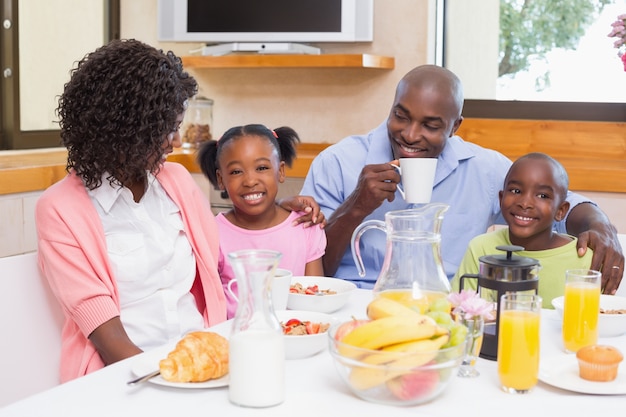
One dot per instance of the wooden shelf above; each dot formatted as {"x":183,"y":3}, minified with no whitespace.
{"x":24,"y":171}
{"x":290,"y":61}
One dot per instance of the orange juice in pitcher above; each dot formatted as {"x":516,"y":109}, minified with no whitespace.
{"x":419,"y":302}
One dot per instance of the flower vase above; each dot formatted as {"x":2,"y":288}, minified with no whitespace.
{"x":475,"y":326}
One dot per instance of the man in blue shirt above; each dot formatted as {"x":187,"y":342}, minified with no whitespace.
{"x":354,"y":181}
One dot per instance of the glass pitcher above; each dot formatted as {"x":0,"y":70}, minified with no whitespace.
{"x":256,"y":346}
{"x":412,"y":270}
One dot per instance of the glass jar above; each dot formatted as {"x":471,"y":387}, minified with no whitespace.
{"x":198,"y":122}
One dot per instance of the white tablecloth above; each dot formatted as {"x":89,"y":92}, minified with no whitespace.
{"x":314,"y":388}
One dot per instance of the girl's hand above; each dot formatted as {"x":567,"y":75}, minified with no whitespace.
{"x":312,"y":213}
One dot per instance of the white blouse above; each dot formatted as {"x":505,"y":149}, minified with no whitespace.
{"x":153,"y":263}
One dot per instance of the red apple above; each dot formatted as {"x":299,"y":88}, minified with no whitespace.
{"x":417,"y":384}
{"x":347,"y":327}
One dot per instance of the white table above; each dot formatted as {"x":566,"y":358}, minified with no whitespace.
{"x":314,"y":388}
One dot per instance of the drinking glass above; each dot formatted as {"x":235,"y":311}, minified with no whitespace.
{"x":518,"y":342}
{"x":581,"y":308}
{"x":475,"y":326}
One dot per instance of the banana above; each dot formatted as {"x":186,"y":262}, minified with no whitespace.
{"x":366,"y":378}
{"x":441,"y":330}
{"x":408,"y":354}
{"x":419,"y":353}
{"x":384,"y":307}
{"x":390,"y":330}
{"x":420,"y":345}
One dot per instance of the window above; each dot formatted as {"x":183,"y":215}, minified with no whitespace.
{"x":41,"y":41}
{"x":585,"y":81}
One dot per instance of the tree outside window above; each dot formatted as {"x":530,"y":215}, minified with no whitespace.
{"x":536,"y":50}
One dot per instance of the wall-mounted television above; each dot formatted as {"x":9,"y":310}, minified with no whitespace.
{"x":265,"y":21}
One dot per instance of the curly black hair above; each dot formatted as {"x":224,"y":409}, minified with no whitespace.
{"x":120,"y":104}
{"x":284,"y":139}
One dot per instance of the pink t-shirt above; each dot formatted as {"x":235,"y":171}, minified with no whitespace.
{"x":299,"y":246}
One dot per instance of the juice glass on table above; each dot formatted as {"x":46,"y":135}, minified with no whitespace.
{"x":518,"y":342}
{"x":581,"y":308}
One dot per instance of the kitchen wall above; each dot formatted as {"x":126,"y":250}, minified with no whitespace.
{"x":325,"y":105}
{"x":321,"y":104}
{"x":17,"y":223}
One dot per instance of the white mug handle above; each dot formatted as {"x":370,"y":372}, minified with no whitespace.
{"x":230,"y":289}
{"x":398,"y":186}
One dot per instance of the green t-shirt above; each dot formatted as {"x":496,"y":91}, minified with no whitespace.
{"x":554,"y":263}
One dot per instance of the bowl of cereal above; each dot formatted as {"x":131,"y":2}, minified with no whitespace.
{"x":305,"y":332}
{"x":321,"y":294}
{"x":612,"y":320}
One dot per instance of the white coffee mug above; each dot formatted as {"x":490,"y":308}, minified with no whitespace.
{"x":280,"y":288}
{"x":418,"y":177}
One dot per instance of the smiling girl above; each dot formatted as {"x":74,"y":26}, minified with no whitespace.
{"x":248,"y":162}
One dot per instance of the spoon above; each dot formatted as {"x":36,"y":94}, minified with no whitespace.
{"x":144,"y":378}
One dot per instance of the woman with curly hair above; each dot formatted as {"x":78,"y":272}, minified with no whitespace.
{"x":127,"y":241}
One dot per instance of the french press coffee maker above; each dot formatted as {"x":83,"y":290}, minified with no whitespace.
{"x":498,"y":275}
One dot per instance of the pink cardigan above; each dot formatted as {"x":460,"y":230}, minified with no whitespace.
{"x":73,"y":257}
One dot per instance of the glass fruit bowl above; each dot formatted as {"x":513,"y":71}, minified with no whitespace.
{"x":401,"y":378}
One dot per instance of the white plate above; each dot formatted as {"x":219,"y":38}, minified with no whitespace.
{"x":562,"y":372}
{"x":149,"y":361}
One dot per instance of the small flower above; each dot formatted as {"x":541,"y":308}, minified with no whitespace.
{"x":470,"y":304}
{"x":619,"y":31}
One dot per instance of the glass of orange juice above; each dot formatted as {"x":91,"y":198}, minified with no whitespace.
{"x":581,"y":308}
{"x":518,"y":342}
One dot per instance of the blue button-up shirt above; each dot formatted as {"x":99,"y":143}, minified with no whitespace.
{"x":468,"y":179}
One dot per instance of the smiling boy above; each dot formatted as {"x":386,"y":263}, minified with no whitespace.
{"x":531,"y":201}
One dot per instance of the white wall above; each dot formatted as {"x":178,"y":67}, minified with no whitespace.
{"x":17,"y":223}
{"x":321,"y":104}
{"x":613,"y":204}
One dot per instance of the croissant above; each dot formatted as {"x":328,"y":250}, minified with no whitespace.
{"x":197,"y":357}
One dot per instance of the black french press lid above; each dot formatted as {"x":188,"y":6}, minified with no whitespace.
{"x":508,"y":259}
{"x":507,"y":267}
